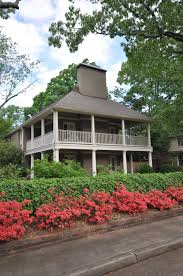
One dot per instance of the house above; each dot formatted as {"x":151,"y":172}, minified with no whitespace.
{"x":88,"y":127}
{"x":176,"y":149}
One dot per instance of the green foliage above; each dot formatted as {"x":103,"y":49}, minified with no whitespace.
{"x":135,"y":20}
{"x":170,"y":168}
{"x":11,"y":171}
{"x":37,"y":189}
{"x":104,"y":169}
{"x":47,"y":169}
{"x":9,"y":154}
{"x":145,"y":168}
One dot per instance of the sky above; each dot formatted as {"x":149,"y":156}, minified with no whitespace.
{"x":29,"y":28}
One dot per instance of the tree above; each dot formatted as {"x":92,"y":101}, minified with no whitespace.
{"x":9,"y":154}
{"x":154,"y":87}
{"x":15,"y":71}
{"x":5,"y":128}
{"x":8,"y":7}
{"x":134,"y":20}
{"x":58,"y":87}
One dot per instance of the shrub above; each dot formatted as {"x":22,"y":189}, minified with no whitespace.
{"x":175,"y":193}
{"x":64,"y":210}
{"x":159,"y":200}
{"x":13,"y":219}
{"x":145,"y":168}
{"x":12,"y":172}
{"x":170,"y":168}
{"x":52,"y":169}
{"x":104,"y":169}
{"x":128,"y":202}
{"x":9,"y":154}
{"x":37,"y":190}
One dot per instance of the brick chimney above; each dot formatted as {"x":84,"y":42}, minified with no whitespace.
{"x":92,"y":81}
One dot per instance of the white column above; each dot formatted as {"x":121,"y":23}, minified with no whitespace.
{"x":32,"y":136}
{"x":150,"y":158}
{"x":56,"y":155}
{"x":42,"y":128}
{"x":123,"y":131}
{"x":149,"y":134}
{"x":93,"y":128}
{"x":94,"y":163}
{"x":55,"y":126}
{"x":131,"y":162}
{"x":124,"y":162}
{"x":22,"y":139}
{"x":42,"y":155}
{"x":178,"y":163}
{"x":32,"y":166}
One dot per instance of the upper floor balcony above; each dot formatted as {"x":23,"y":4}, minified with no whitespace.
{"x":81,"y":131}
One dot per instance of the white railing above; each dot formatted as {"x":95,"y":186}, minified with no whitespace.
{"x":136,"y":140}
{"x":70,"y":136}
{"x":106,"y":138}
{"x":40,"y":141}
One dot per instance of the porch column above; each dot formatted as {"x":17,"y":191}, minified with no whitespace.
{"x":123,"y":132}
{"x":32,"y":136}
{"x":55,"y":126}
{"x":131,"y":162}
{"x":22,"y":139}
{"x":32,"y":166}
{"x":94,"y":163}
{"x":178,"y":163}
{"x":150,"y":158}
{"x":93,"y":129}
{"x":149,"y":134}
{"x":42,"y":128}
{"x":124,"y":162}
{"x":56,"y":155}
{"x":42,"y":155}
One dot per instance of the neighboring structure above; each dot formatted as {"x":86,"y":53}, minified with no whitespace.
{"x":176,"y":148}
{"x":86,"y":126}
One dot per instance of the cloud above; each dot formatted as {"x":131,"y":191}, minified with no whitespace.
{"x":29,"y":28}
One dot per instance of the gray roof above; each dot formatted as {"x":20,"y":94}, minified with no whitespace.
{"x":76,"y":102}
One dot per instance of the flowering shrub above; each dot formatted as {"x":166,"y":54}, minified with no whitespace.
{"x":64,"y":210}
{"x":13,"y":219}
{"x":128,"y":202}
{"x":175,"y":193}
{"x":159,"y":200}
{"x":96,"y":208}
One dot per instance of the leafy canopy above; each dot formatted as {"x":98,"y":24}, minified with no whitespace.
{"x":136,"y":20}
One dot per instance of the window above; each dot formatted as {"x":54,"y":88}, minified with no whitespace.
{"x":69,"y":126}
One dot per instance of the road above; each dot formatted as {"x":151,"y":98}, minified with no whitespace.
{"x":169,"y":264}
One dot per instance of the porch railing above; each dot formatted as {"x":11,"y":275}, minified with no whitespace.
{"x":71,"y":136}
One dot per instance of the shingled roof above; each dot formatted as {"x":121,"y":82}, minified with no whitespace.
{"x":77,"y":103}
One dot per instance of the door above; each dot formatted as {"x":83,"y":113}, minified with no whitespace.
{"x":114,"y":163}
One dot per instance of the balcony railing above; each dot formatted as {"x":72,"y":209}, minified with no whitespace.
{"x":82,"y":137}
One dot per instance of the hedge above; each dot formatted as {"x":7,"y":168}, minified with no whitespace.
{"x":37,"y":190}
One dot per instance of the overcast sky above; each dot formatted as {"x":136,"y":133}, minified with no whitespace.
{"x":29,"y":28}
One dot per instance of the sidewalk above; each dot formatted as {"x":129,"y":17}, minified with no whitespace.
{"x":99,"y":253}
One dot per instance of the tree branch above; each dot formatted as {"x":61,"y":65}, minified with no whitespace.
{"x":8,"y":5}
{"x":16,"y":94}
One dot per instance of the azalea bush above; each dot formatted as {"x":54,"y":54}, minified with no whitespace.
{"x":13,"y":219}
{"x":159,"y":200}
{"x":128,"y":202}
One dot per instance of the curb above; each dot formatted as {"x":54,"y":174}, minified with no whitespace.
{"x":15,"y":247}
{"x":129,"y":258}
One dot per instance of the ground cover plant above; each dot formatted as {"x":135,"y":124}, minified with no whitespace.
{"x":64,"y":211}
